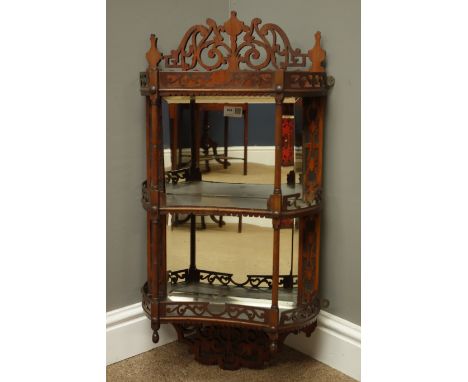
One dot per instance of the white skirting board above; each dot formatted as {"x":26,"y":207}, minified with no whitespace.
{"x":335,"y":342}
{"x":128,"y":333}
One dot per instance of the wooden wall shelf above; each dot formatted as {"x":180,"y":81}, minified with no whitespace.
{"x":231,"y":322}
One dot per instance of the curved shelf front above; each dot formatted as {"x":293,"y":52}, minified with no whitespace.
{"x":227,"y":305}
{"x":208,"y":198}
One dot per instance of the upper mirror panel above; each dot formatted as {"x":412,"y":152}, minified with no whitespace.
{"x":235,"y":141}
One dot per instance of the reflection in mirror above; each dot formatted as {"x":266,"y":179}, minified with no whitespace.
{"x":223,"y":144}
{"x":238,"y":148}
{"x":242,"y":255}
{"x":232,"y":142}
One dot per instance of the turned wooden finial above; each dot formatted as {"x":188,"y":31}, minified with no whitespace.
{"x":317,"y":55}
{"x":153,"y":56}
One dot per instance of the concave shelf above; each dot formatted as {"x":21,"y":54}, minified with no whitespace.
{"x":247,"y":306}
{"x":242,"y":196}
{"x":226,"y":294}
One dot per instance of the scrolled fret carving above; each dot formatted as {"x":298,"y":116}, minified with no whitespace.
{"x":146,"y":299}
{"x":145,"y":196}
{"x":301,"y":314}
{"x":253,"y":281}
{"x":290,"y":201}
{"x":180,"y":309}
{"x":175,"y":276}
{"x":256,"y":281}
{"x":212,"y":277}
{"x":175,"y":175}
{"x":202,"y":309}
{"x":306,"y":81}
{"x":213,"y":80}
{"x":143,"y":79}
{"x":235,"y":44}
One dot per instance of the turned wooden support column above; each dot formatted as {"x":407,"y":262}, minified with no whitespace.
{"x":156,"y":189}
{"x":226,"y":140}
{"x":157,"y":223}
{"x":174,"y":114}
{"x":148,"y":182}
{"x":278,"y":143}
{"x":193,"y":272}
{"x":274,"y":204}
{"x":157,"y":198}
{"x":246,"y":135}
{"x":274,"y":313}
{"x":195,"y":173}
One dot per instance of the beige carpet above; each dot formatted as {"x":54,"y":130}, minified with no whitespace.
{"x":174,"y":363}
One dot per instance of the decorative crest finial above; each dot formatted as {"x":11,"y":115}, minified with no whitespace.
{"x":153,"y":56}
{"x":317,"y":55}
{"x":233,"y":27}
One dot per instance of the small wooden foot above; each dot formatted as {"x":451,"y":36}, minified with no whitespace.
{"x":155,"y":326}
{"x":273,"y":342}
{"x":155,"y":336}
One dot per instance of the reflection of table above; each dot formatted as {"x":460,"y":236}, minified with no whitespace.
{"x":205,"y":143}
{"x":202,"y":136}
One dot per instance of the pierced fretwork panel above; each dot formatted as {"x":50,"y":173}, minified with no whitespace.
{"x":235,"y":46}
{"x":312,"y":139}
{"x":309,"y":244}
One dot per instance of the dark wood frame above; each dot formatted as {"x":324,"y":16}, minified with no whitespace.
{"x":217,"y":50}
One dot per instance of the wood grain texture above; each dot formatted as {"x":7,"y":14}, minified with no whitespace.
{"x":234,"y":43}
{"x":234,"y":59}
{"x":317,"y":55}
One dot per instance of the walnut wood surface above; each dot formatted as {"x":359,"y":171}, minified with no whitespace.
{"x":231,"y":59}
{"x":234,"y":43}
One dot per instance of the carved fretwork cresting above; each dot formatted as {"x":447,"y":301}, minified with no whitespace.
{"x":234,"y":44}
